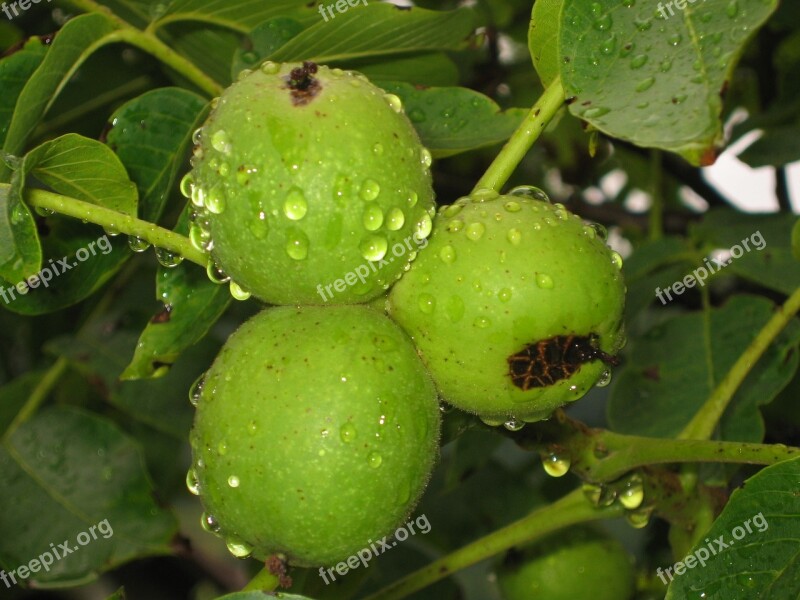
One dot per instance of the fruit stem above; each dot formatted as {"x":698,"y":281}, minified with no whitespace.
{"x":523,"y":138}
{"x":702,"y":425}
{"x":264,"y":581}
{"x":572,"y":509}
{"x":111,"y":219}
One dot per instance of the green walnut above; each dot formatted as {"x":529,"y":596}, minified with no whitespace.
{"x":580,"y":563}
{"x":515,"y":305}
{"x":309,"y":186}
{"x":315,"y":433}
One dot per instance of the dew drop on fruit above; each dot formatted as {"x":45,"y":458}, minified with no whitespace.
{"x":222,"y":448}
{"x":423,"y":228}
{"x":605,"y":379}
{"x":197,"y":390}
{"x":197,"y":136}
{"x":377,"y":149}
{"x":616,"y":259}
{"x":529,"y":191}
{"x":370,"y":189}
{"x":514,"y":236}
{"x":258,"y":226}
{"x":269,"y":68}
{"x":475,"y":231}
{"x":295,"y":206}
{"x":187,"y":183}
{"x":504,"y":295}
{"x":373,"y":247}
{"x":233,"y":481}
{"x":220,"y":141}
{"x":239,"y":548}
{"x":372,"y":219}
{"x":426,"y":303}
{"x":493,"y":421}
{"x":555,"y":465}
{"x":448,"y":254}
{"x":638,"y":519}
{"x":482,"y":322}
{"x":513,"y":424}
{"x":599,"y":495}
{"x":544,"y":281}
{"x":394,"y":102}
{"x":512,"y":206}
{"x":215,"y":200}
{"x":426,"y":158}
{"x":193,"y":482}
{"x":138,"y":244}
{"x":455,"y":226}
{"x":483,"y":195}
{"x":237,"y":292}
{"x":198,"y":196}
{"x":200,"y":238}
{"x":210,"y":524}
{"x":395,"y":219}
{"x":412,"y":198}
{"x":347,"y":432}
{"x":297,"y":245}
{"x":374,"y":460}
{"x":216,"y":274}
{"x":632,"y":494}
{"x":168,"y":259}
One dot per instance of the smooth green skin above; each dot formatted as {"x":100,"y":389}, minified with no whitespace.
{"x":301,"y":405}
{"x":325,"y":153}
{"x":576,"y":564}
{"x":470,"y":301}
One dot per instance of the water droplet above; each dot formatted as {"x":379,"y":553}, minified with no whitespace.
{"x":269,"y":68}
{"x":168,"y":259}
{"x":347,"y":432}
{"x":455,"y":225}
{"x":504,"y":295}
{"x":645,"y":84}
{"x":215,"y":201}
{"x":395,"y":219}
{"x":138,"y":244}
{"x":193,"y":482}
{"x":377,"y":149}
{"x":372,"y":218}
{"x":374,"y":460}
{"x":675,"y":39}
{"x":187,"y":183}
{"x":616,"y":259}
{"x":222,"y":448}
{"x":426,"y":303}
{"x":239,"y":548}
{"x":296,"y":244}
{"x":555,"y":465}
{"x":732,"y":9}
{"x":475,"y":231}
{"x":609,"y":46}
{"x":244,"y":72}
{"x":210,"y":524}
{"x":394,"y":102}
{"x":514,"y":236}
{"x":220,"y":141}
{"x":643,"y":24}
{"x":416,"y":115}
{"x":599,"y":495}
{"x":412,"y":198}
{"x":370,"y":189}
{"x":233,"y":481}
{"x":216,"y":274}
{"x":605,"y":379}
{"x":544,"y":281}
{"x":529,"y":191}
{"x":426,"y":158}
{"x":493,"y":421}
{"x":483,"y":195}
{"x":423,"y":228}
{"x":638,"y":519}
{"x":197,"y":390}
{"x":237,"y":292}
{"x":595,"y":112}
{"x":512,"y":206}
{"x":199,"y":237}
{"x":447,"y":254}
{"x":632,"y":494}
{"x":513,"y":424}
{"x":638,"y":61}
{"x":373,"y":247}
{"x":482,"y":322}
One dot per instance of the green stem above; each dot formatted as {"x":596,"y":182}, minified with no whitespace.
{"x":569,"y":510}
{"x":523,"y":138}
{"x":704,"y":422}
{"x":264,"y":581}
{"x":111,"y":219}
{"x":38,"y":395}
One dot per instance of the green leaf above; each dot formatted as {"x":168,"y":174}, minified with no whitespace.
{"x":658,"y":390}
{"x":192,"y":304}
{"x":378,"y":30}
{"x":769,"y":262}
{"x":776,"y":148}
{"x":151,"y":135}
{"x":262,"y":596}
{"x":760,"y":532}
{"x":543,"y":35}
{"x":76,"y":471}
{"x":75,"y":42}
{"x":264,"y":40}
{"x":430,"y":69}
{"x":20,"y":248}
{"x":85,"y":169}
{"x":15,"y":70}
{"x":656,"y":81}
{"x":118,"y":595}
{"x":454,"y":119}
{"x":242,"y":16}
{"x":796,"y":241}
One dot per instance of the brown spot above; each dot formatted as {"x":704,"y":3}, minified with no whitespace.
{"x":164,"y":316}
{"x":277,"y":566}
{"x":543,"y":363}
{"x":709,"y":157}
{"x":302,"y":83}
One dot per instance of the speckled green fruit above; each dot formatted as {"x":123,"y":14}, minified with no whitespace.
{"x":577,"y":564}
{"x":309,"y":185}
{"x":316,"y":431}
{"x":500,"y":276}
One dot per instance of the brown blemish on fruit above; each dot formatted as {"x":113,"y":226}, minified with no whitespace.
{"x":544,"y":363}
{"x":302,"y":83}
